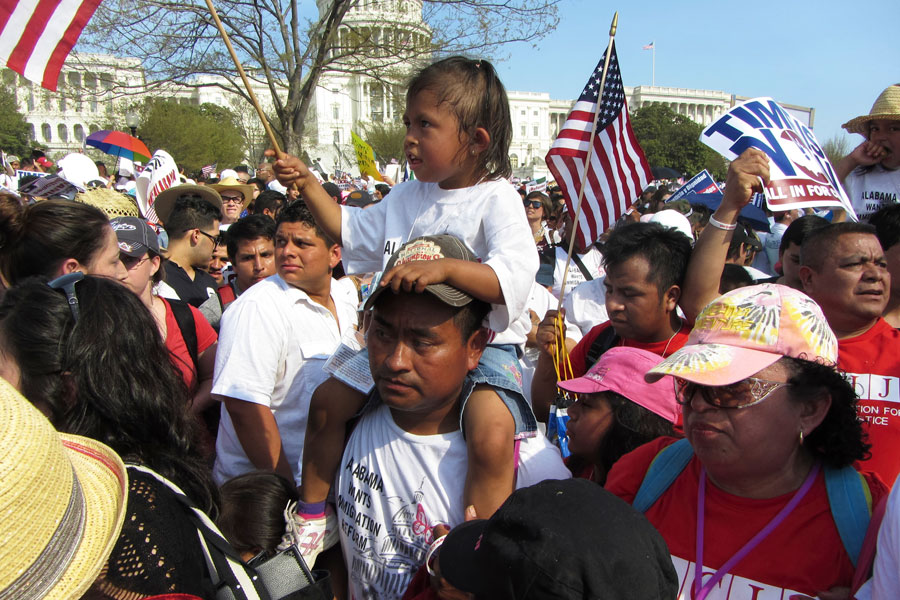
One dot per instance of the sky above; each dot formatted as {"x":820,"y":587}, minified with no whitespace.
{"x":834,"y":56}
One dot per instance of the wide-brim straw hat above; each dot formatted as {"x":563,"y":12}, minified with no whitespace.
{"x":887,"y":106}
{"x":112,"y":203}
{"x":62,"y":501}
{"x":165,"y":202}
{"x":233,"y":183}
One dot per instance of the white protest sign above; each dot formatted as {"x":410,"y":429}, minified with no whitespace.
{"x":51,"y":186}
{"x":160,"y":174}
{"x":799,"y":172}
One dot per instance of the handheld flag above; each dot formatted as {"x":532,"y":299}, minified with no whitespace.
{"x":617,"y":170}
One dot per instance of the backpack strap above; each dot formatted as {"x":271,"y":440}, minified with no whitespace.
{"x":581,"y":267}
{"x":603,"y":342}
{"x":665,"y":468}
{"x":188,"y":327}
{"x":851,"y":506}
{"x":226,"y":294}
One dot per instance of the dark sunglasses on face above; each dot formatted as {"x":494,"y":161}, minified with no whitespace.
{"x":532,"y":203}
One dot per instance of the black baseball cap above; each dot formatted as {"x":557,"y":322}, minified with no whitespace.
{"x":430,"y":247}
{"x":135,"y":236}
{"x":561,"y":540}
{"x":359,"y":198}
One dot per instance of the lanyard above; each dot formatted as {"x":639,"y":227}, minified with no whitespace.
{"x":701,"y":590}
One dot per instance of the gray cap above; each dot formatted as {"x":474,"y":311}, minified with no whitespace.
{"x":135,"y":236}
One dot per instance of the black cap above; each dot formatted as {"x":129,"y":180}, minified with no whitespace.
{"x":135,"y":236}
{"x":359,"y":198}
{"x":567,"y":539}
{"x":430,"y":247}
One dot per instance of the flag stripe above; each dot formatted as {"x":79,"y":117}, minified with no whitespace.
{"x":617,"y":171}
{"x":69,"y":37}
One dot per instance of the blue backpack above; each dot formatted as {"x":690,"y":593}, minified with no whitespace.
{"x":848,"y":493}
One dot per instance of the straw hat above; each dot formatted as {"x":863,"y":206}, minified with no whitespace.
{"x":233,"y":183}
{"x":62,"y":501}
{"x":887,"y":106}
{"x":111,"y":202}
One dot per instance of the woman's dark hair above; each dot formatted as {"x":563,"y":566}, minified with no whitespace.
{"x":252,"y":510}
{"x":107,"y":376}
{"x":840,"y":440}
{"x":34,"y":240}
{"x":475,"y":94}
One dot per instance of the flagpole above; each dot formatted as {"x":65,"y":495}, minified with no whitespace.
{"x":587,"y":162}
{"x":653,"y":68}
{"x":240,"y":69}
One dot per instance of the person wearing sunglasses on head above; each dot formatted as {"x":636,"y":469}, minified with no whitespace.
{"x":191,"y":215}
{"x":762,"y":494}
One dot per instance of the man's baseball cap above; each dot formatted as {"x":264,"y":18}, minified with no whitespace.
{"x":135,"y":236}
{"x":359,"y":199}
{"x":430,"y":247}
{"x":560,"y":539}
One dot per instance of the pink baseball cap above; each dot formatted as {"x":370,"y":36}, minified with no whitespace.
{"x":621,"y":370}
{"x":748,"y":329}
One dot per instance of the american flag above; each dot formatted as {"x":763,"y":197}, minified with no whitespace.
{"x":209,"y":169}
{"x":649,"y":46}
{"x":618,"y":170}
{"x":36,"y":36}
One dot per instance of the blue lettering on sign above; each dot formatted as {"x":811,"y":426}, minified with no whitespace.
{"x":773,"y":150}
{"x":773,"y":116}
{"x":723,"y":128}
{"x":744,"y":115}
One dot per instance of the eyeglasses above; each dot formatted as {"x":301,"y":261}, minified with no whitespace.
{"x":532,"y":203}
{"x":66,"y":283}
{"x":215,"y":239}
{"x":232,"y":199}
{"x":743,"y":394}
{"x":132,"y":262}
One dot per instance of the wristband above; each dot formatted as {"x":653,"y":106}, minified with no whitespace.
{"x":311,"y":510}
{"x":720,"y":225}
{"x":430,"y":554}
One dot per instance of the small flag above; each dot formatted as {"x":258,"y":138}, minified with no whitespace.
{"x":649,"y":46}
{"x":37,"y":36}
{"x":209,"y":169}
{"x":618,"y":170}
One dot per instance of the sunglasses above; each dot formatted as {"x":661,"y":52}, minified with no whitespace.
{"x":66,"y":283}
{"x":743,"y":394}
{"x":215,"y":239}
{"x":532,"y":203}
{"x":132,"y":262}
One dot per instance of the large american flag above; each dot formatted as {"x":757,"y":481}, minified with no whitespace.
{"x":37,"y":35}
{"x":618,"y":170}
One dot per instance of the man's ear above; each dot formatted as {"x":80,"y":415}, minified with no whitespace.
{"x":805,"y":274}
{"x":334,"y":255}
{"x":475,"y":347}
{"x":671,"y":298}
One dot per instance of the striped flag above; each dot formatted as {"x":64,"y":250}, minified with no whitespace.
{"x":36,"y":36}
{"x":649,"y":46}
{"x":209,"y":169}
{"x":618,"y":170}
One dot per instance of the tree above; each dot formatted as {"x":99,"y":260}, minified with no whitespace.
{"x":289,"y":54}
{"x":15,"y":135}
{"x":836,"y":148}
{"x":386,"y":139}
{"x":194,"y":135}
{"x":672,"y":140}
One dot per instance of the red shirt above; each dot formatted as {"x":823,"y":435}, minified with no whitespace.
{"x":578,"y":356}
{"x":872,"y":362}
{"x":181,"y":358}
{"x":802,"y":555}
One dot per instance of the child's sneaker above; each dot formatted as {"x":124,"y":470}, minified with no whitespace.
{"x":311,"y":535}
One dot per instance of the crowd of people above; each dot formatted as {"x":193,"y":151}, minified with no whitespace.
{"x":416,"y":391}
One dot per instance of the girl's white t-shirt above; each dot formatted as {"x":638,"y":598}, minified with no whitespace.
{"x":487,"y":217}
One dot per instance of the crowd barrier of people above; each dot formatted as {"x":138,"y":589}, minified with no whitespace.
{"x":301,"y":386}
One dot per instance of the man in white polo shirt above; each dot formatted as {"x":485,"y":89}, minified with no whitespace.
{"x":273,"y":342}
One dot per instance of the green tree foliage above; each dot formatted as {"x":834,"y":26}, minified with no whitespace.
{"x":15,"y":136}
{"x":386,"y":139}
{"x":194,"y":135}
{"x":836,"y":148}
{"x":673,"y":140}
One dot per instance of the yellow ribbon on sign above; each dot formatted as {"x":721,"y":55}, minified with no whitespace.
{"x":365,"y":157}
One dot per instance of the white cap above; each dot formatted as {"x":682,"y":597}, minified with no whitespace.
{"x":675,"y":220}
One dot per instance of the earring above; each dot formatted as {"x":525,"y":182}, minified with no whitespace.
{"x":801,"y":437}
{"x":472,"y":151}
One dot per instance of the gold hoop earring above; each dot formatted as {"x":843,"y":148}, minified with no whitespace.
{"x":801,"y":437}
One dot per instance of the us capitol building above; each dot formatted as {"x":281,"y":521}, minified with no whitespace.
{"x":90,"y":97}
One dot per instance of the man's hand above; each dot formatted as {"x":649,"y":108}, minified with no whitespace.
{"x":747,"y":175}
{"x":546,"y":337}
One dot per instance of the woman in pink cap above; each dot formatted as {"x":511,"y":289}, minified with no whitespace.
{"x":762,"y":493}
{"x":616,"y":411}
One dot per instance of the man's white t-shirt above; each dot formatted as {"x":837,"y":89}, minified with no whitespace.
{"x":871,"y":188}
{"x":394,"y":486}
{"x":592,"y":260}
{"x":273,"y":343}
{"x":487,"y":217}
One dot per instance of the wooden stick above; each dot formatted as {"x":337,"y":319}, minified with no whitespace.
{"x":587,"y":162}
{"x":240,"y":69}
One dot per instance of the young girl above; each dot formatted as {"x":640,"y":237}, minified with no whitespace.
{"x":616,"y":411}
{"x":457,"y":144}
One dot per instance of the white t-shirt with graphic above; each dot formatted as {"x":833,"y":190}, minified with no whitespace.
{"x":393,"y":487}
{"x":871,"y":188}
{"x":487,"y":217}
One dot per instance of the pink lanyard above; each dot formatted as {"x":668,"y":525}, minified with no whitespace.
{"x":701,"y":590}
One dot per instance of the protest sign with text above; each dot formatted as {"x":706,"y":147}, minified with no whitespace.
{"x":365,"y":157}
{"x":160,"y":174}
{"x":701,"y":183}
{"x":799,"y":172}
